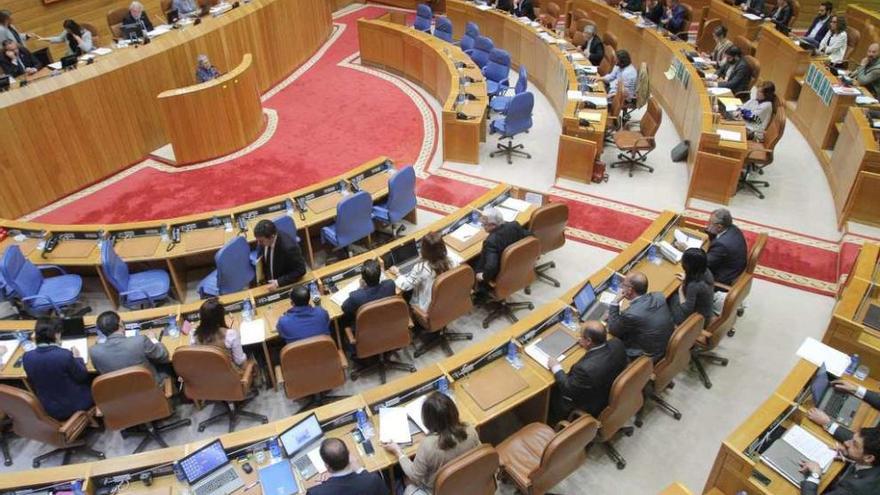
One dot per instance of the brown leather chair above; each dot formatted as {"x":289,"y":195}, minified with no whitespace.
{"x":754,"y":255}
{"x":637,"y":144}
{"x":705,"y":41}
{"x":4,"y":444}
{"x":550,"y":15}
{"x":114,"y":21}
{"x":310,"y":368}
{"x":209,"y":375}
{"x":472,"y":472}
{"x":578,"y":38}
{"x":94,"y":32}
{"x":853,"y":36}
{"x":760,"y":154}
{"x":795,"y":12}
{"x":30,"y":420}
{"x":516,"y":273}
{"x":165,"y":5}
{"x":625,"y":401}
{"x":130,"y":397}
{"x":381,"y":327}
{"x":537,"y":458}
{"x":548,"y":224}
{"x":609,"y":39}
{"x":450,"y":300}
{"x":676,"y":360}
{"x":722,"y":324}
{"x":755,"y":66}
{"x":608,"y":61}
{"x":744,"y":44}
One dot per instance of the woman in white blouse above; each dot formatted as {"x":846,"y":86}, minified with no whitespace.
{"x":213,"y":330}
{"x":834,"y":43}
{"x":420,"y":280}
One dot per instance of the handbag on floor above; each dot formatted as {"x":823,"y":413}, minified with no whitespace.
{"x":599,"y":174}
{"x":680,"y":152}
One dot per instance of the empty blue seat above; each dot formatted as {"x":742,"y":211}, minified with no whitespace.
{"x":502,"y":101}
{"x":234,"y":270}
{"x":135,"y":289}
{"x":517,"y":120}
{"x":497,"y":71}
{"x":480,"y":53}
{"x":38,"y":295}
{"x":424,"y":15}
{"x":443,"y":29}
{"x":401,"y":199}
{"x":353,"y":221}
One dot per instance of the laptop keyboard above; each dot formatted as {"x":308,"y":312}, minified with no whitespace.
{"x":835,"y":404}
{"x":215,"y":484}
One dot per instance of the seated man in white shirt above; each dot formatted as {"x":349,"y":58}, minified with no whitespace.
{"x":625,"y":71}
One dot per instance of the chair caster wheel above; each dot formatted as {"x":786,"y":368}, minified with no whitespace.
{"x":201,"y":429}
{"x":528,"y":290}
{"x":708,"y":385}
{"x":264,"y":421}
{"x":101,"y":456}
{"x":555,"y":284}
{"x":740,"y":312}
{"x":36,"y":464}
{"x":731,"y":332}
{"x":354,"y":377}
{"x":8,"y":463}
{"x":677,"y":416}
{"x":638,"y":424}
{"x":531,"y":306}
{"x":724,"y":362}
{"x":621,"y":465}
{"x":628,"y":433}
{"x":485,"y":326}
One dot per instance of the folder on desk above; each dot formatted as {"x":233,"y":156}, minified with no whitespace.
{"x":795,"y":446}
{"x":278,"y":479}
{"x":590,"y":116}
{"x":494,"y":384}
{"x":394,"y":425}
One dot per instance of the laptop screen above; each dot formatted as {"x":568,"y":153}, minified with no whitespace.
{"x":405,"y":252}
{"x":203,"y":461}
{"x":73,"y":328}
{"x":819,"y":385}
{"x":584,"y":299}
{"x":300,"y":435}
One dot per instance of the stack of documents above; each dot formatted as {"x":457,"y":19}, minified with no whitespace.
{"x":599,"y":101}
{"x":464,"y":232}
{"x":159,"y":30}
{"x":730,"y":104}
{"x":414,"y":411}
{"x":578,"y":56}
{"x":516,"y":205}
{"x":752,"y":17}
{"x":575,"y":95}
{"x":818,"y":353}
{"x":101,"y":51}
{"x":394,"y":426}
{"x":688,"y":240}
{"x":729,"y":135}
{"x":342,"y":294}
{"x":866,"y":100}
{"x":719,"y":91}
{"x":845,"y":90}
{"x":590,"y":116}
{"x":253,"y":332}
{"x":483,"y":6}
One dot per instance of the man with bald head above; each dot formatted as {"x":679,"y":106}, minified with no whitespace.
{"x":646,"y":325}
{"x":588,"y":384}
{"x":344,"y":474}
{"x":728,"y":252}
{"x":868,"y":72}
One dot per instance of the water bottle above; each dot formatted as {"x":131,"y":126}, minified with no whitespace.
{"x":76,"y":487}
{"x":25,"y":343}
{"x":364,"y":424}
{"x":443,"y":385}
{"x":614,"y":285}
{"x":853,"y":364}
{"x":288,"y":206}
{"x":247,"y":311}
{"x":653,"y":256}
{"x":475,"y":217}
{"x":313,"y":291}
{"x":274,"y":448}
{"x":173,"y":330}
{"x":178,"y":472}
{"x":568,"y":317}
{"x":513,"y":355}
{"x":343,"y":188}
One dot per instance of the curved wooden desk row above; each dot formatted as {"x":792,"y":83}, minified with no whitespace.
{"x":201,"y":235}
{"x":72,"y":130}
{"x":528,"y":404}
{"x":432,"y":63}
{"x":867,"y":20}
{"x":231,"y":103}
{"x":551,"y":71}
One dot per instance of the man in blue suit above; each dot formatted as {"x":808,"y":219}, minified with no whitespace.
{"x":674,"y":19}
{"x":345,"y":475}
{"x":302,"y":320}
{"x":819,"y":26}
{"x":728,"y":252}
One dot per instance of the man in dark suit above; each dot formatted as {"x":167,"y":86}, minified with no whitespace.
{"x":501,"y":235}
{"x":137,"y":15}
{"x":505,"y":5}
{"x":345,"y":475}
{"x":728,"y":252}
{"x":593,"y":47}
{"x":525,"y":8}
{"x":861,"y":477}
{"x":17,"y":60}
{"x":119,"y":351}
{"x":372,"y":289}
{"x":282,"y":260}
{"x":840,"y":432}
{"x":752,"y":6}
{"x":646,"y":325}
{"x":674,"y":18}
{"x":737,"y":73}
{"x":588,"y":384}
{"x":819,"y":26}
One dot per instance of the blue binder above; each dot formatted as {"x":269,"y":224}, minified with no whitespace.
{"x":278,"y":479}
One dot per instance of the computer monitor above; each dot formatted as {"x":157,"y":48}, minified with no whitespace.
{"x":68,"y":61}
{"x":820,"y":384}
{"x":300,"y":435}
{"x":73,"y":328}
{"x":203,"y":462}
{"x":405,"y":252}
{"x":172,"y":16}
{"x":132,"y":31}
{"x":584,"y":299}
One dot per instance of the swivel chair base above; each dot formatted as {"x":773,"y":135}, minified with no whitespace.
{"x":382,"y":365}
{"x":633,"y":160}
{"x":541,"y":272}
{"x":613,"y":453}
{"x":665,"y":405}
{"x":509,"y":150}
{"x":4,"y":445}
{"x":497,"y":309}
{"x":233,"y":412}
{"x":696,"y":360}
{"x":442,"y":339}
{"x":153,"y":432}
{"x":749,"y":184}
{"x":320,"y":399}
{"x":79,"y":447}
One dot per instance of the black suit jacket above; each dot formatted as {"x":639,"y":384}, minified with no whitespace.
{"x":144,"y":17}
{"x":358,"y":298}
{"x":363,"y":483}
{"x":505,"y":5}
{"x":850,"y":482}
{"x":728,"y":255}
{"x":781,"y":17}
{"x":739,"y":78}
{"x":595,"y":50}
{"x":842,"y":434}
{"x":526,"y":9}
{"x":588,"y":384}
{"x":490,"y":259}
{"x":634,"y":5}
{"x":825,"y":21}
{"x":288,"y":262}
{"x":755,"y":6}
{"x":655,"y":13}
{"x":646,"y":325}
{"x":11,"y":68}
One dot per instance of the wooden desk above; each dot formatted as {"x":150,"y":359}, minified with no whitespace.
{"x":866,"y":266}
{"x":853,"y":171}
{"x":550,"y":71}
{"x":230,"y":102}
{"x":124,"y":123}
{"x":846,"y":331}
{"x":732,"y":17}
{"x":815,"y":119}
{"x":431,"y":62}
{"x":676,"y":489}
{"x":782,"y":60}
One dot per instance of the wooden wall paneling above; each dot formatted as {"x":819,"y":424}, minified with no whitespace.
{"x":864,"y":203}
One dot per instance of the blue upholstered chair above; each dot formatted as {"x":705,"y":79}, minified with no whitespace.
{"x":424,"y":15}
{"x":497,"y":71}
{"x":480,"y":54}
{"x":234,"y":270}
{"x":517,"y":120}
{"x":443,"y":29}
{"x":502,"y":101}
{"x":135,"y":289}
{"x":353,"y":221}
{"x":401,"y":199}
{"x":471,"y":32}
{"x":38,"y":295}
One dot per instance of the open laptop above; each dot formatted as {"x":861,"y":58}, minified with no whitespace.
{"x":404,"y":257}
{"x":839,"y":406}
{"x":587,"y":304}
{"x":209,"y":472}
{"x":73,"y":334}
{"x":301,"y":443}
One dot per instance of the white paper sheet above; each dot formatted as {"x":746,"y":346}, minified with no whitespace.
{"x":575,"y":95}
{"x":818,"y":353}
{"x":507,"y":214}
{"x":101,"y":51}
{"x":314,"y":455}
{"x":537,"y":354}
{"x":253,"y":332}
{"x":607,"y":297}
{"x":82,"y":345}
{"x":599,"y":101}
{"x":866,"y":100}
{"x":719,"y":91}
{"x":11,"y":346}
{"x":464,"y":232}
{"x":752,"y":17}
{"x":728,"y":135}
{"x":515,"y":204}
{"x":687,"y":240}
{"x":342,"y":294}
{"x":393,"y":425}
{"x":807,"y":444}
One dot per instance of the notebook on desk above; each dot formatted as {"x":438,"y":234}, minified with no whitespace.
{"x":872,"y":317}
{"x":493,"y":385}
